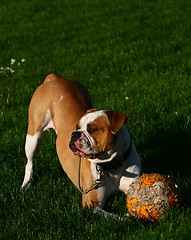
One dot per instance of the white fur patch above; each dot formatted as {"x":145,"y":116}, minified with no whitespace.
{"x":31,"y":143}
{"x":108,"y":159}
{"x":48,"y":123}
{"x":90,"y":117}
{"x":30,"y":147}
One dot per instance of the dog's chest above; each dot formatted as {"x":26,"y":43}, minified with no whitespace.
{"x":109,"y":183}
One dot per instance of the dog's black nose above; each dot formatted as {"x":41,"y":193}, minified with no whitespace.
{"x":75,"y":136}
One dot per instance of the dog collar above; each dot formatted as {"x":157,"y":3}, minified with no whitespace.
{"x":117,"y":161}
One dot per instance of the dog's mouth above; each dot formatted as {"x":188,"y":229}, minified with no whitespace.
{"x":82,"y":146}
{"x":80,"y":153}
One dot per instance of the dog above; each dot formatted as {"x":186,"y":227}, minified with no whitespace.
{"x":93,"y":146}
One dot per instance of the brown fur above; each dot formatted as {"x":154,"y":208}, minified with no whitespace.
{"x":104,"y":139}
{"x":65,"y":116}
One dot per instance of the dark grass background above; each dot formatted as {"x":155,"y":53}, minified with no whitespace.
{"x":133,"y":56}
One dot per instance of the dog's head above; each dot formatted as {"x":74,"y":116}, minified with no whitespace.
{"x":95,"y":136}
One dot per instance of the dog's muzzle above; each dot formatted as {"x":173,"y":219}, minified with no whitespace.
{"x":81,"y":145}
{"x":74,"y":138}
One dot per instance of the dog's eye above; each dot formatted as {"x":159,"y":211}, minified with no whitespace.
{"x":92,"y":129}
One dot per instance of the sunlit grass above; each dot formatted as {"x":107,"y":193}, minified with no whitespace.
{"x":133,"y":56}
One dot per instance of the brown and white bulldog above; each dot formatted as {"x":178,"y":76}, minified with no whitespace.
{"x":97,"y":138}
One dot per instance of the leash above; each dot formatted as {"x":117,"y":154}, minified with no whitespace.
{"x":95,"y":185}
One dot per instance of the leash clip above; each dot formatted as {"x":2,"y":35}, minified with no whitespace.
{"x":98,"y":168}
{"x":98,"y":180}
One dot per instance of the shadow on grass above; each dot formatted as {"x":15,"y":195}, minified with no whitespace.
{"x":169,"y":153}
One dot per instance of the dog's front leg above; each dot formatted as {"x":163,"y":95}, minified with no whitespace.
{"x":90,"y":200}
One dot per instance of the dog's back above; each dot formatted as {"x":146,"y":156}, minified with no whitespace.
{"x":58,"y":103}
{"x":65,"y":100}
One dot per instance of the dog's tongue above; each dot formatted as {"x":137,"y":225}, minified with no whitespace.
{"x":80,"y":154}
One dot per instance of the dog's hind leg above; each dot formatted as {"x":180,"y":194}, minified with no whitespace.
{"x":31,"y":144}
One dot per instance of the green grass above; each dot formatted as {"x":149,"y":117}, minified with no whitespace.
{"x":134,"y":56}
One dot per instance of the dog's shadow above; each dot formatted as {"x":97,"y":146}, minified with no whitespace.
{"x":169,"y":153}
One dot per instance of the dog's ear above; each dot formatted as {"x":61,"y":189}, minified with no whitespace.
{"x":116,"y":119}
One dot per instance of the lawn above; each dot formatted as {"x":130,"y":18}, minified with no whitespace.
{"x":133,"y":56}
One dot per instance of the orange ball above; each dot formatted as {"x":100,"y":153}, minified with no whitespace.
{"x":151,"y":196}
